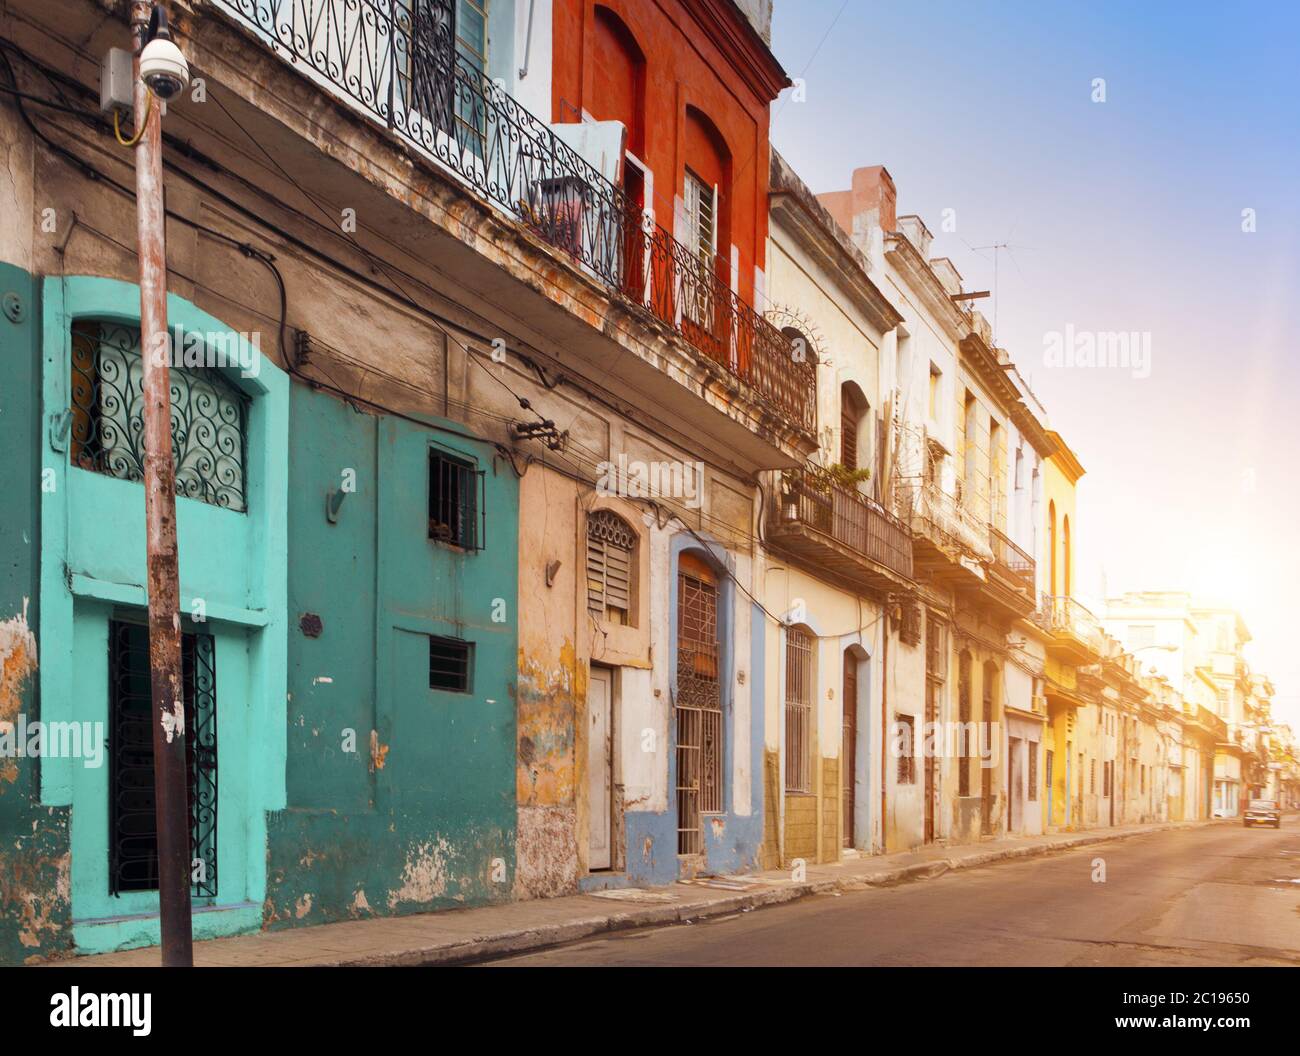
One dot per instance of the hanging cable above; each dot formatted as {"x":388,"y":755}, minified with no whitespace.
{"x":117,"y":125}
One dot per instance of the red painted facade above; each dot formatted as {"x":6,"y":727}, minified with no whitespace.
{"x":693,"y":83}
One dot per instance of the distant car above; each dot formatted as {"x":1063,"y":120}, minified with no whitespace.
{"x":1262,"y":812}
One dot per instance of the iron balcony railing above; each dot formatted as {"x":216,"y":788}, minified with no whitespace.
{"x":396,"y":61}
{"x":940,"y":517}
{"x":812,"y":498}
{"x":1012,"y":561}
{"x":1063,"y":615}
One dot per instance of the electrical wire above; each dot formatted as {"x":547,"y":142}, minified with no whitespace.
{"x":268,"y":261}
{"x":117,"y":123}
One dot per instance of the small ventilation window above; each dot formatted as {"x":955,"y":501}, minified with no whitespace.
{"x":450,"y":662}
{"x":455,"y":489}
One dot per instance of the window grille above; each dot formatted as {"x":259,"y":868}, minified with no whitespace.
{"x":611,"y":550}
{"x":799,"y":694}
{"x":456,"y":516}
{"x":910,"y":631}
{"x":208,"y":416}
{"x":906,"y":749}
{"x":133,"y":830}
{"x":698,"y":704}
{"x":450,"y":664}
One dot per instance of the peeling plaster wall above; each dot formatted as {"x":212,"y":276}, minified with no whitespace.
{"x":35,"y":891}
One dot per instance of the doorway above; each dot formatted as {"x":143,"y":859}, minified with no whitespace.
{"x":600,"y":768}
{"x":849,"y":745}
{"x":1014,"y":790}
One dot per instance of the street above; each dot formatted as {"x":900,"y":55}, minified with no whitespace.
{"x":1218,"y":895}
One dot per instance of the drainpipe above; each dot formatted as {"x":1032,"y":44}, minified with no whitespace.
{"x":170,"y":785}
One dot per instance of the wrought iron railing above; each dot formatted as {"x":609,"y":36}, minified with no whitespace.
{"x":1012,"y":561}
{"x":941,"y":517}
{"x":396,"y":61}
{"x":813,"y":498}
{"x":1063,"y":615}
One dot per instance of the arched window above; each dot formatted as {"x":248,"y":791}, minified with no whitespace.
{"x":209,"y":413}
{"x":802,"y":343}
{"x":853,"y":436}
{"x":611,"y":568}
{"x":706,"y":200}
{"x":619,"y":68}
{"x":1065,"y":551}
{"x":800,"y":693}
{"x":1051,"y":548}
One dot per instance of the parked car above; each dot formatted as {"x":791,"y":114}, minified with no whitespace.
{"x":1262,"y":812}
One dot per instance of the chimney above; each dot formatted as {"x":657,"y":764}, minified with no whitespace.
{"x":915,"y":231}
{"x":871,"y":203}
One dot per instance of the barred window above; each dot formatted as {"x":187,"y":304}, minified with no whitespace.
{"x":451,"y":664}
{"x":455,"y":494}
{"x":611,"y":555}
{"x":799,"y":674}
{"x":209,"y":416}
{"x":906,"y":749}
{"x":698,"y":702}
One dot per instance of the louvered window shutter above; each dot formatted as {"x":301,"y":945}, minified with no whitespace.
{"x":610,"y":548}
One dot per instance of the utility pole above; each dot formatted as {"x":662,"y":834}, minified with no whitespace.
{"x":171,"y":785}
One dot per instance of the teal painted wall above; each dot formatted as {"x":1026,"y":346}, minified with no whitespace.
{"x":35,"y":908}
{"x":418,"y":815}
{"x":93,"y":567}
{"x":414,"y":817}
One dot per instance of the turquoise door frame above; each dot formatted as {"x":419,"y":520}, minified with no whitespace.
{"x":232,"y":571}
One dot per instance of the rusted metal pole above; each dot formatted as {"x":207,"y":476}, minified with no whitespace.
{"x":171,"y":787}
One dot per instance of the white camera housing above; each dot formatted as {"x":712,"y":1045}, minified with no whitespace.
{"x":164,"y":69}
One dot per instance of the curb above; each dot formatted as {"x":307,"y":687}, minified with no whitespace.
{"x":555,"y":935}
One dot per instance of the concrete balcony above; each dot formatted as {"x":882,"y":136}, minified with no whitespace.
{"x":1013,"y":570}
{"x":951,"y":542}
{"x":826,"y":526}
{"x":1075,"y":634}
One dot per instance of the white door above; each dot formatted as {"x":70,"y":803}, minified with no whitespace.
{"x":600,"y":784}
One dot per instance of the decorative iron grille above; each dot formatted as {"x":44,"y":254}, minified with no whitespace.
{"x":133,"y":830}
{"x":208,"y":416}
{"x":396,"y":62}
{"x":698,"y":707}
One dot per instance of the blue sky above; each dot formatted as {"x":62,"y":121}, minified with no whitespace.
{"x":1123,"y":215}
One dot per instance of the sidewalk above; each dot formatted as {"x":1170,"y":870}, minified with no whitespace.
{"x":463,"y":934}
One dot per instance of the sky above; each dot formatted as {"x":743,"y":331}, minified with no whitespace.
{"x":1124,"y":213}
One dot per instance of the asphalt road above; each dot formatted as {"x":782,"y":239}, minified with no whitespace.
{"x":1216,"y":895}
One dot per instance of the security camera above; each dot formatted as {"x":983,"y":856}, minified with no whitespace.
{"x":162,"y":66}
